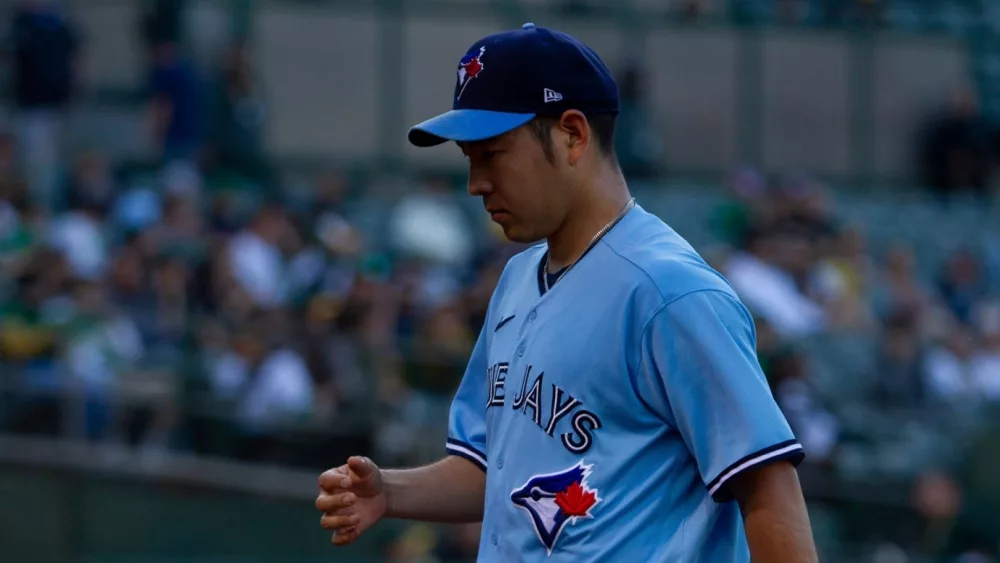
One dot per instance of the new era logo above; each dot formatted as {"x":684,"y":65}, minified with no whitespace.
{"x":552,"y":96}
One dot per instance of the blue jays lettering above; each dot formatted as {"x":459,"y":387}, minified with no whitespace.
{"x":578,"y":437}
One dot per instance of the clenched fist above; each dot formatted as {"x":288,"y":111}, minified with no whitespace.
{"x":351,"y":498}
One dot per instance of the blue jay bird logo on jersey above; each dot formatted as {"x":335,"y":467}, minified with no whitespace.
{"x":555,"y":499}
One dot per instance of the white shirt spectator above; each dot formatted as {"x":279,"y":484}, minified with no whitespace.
{"x":950,"y":376}
{"x":259,"y":268}
{"x":79,"y":238}
{"x":771,"y":293}
{"x":282,"y":388}
{"x":98,"y":356}
{"x":431,"y":227}
{"x":985,"y":370}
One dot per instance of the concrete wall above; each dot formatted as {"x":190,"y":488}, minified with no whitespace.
{"x":348,"y":81}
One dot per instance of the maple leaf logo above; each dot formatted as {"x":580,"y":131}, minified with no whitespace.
{"x":468,"y":68}
{"x":473,"y":67}
{"x":575,"y":501}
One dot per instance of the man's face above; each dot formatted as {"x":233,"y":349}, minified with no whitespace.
{"x":521,"y":190}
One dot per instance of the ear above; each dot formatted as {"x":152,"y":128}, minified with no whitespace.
{"x":575,"y":134}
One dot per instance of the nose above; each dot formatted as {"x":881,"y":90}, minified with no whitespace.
{"x":479,"y":183}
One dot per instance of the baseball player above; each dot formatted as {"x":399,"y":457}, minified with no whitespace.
{"x":613,"y":408}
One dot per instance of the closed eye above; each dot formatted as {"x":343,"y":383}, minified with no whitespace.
{"x":488,"y":155}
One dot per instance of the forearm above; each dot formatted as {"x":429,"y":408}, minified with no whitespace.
{"x":415,"y":494}
{"x":775,"y":538}
{"x":775,"y":518}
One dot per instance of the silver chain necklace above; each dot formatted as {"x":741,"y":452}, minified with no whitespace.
{"x":604,"y":230}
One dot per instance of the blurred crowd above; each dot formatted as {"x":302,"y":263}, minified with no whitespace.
{"x":884,"y":369}
{"x":204,"y":302}
{"x":200,"y":301}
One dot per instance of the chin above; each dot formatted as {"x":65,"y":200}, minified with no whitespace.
{"x":520,"y":237}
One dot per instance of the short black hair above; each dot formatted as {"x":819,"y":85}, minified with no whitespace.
{"x":603,"y":126}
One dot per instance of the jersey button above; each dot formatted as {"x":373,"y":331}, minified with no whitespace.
{"x":532,"y":316}
{"x":500,"y":463}
{"x":520,"y":350}
{"x":494,"y":538}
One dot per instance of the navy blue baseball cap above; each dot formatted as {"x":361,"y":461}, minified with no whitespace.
{"x":507,"y":79}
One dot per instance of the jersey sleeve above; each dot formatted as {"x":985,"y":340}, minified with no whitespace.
{"x":700,"y":372}
{"x":467,"y":419}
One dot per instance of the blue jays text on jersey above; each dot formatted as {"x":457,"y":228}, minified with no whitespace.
{"x":611,"y":412}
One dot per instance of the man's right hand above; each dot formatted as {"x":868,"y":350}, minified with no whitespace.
{"x":352,"y":499}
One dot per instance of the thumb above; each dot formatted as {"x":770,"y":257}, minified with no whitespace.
{"x":362,"y":467}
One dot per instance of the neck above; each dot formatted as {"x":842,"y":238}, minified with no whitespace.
{"x":588,"y":216}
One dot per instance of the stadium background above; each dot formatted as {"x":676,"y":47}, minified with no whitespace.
{"x":223,"y":269}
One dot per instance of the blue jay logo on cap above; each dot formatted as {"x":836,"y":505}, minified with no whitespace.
{"x":469,"y":68}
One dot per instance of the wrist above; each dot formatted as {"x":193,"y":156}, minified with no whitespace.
{"x":391,"y":488}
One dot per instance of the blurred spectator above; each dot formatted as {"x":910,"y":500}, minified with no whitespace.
{"x":949,"y":369}
{"x":265,"y":381}
{"x":938,"y":499}
{"x":843,"y":279}
{"x":103,"y":347}
{"x":33,"y":319}
{"x":428,"y":225}
{"x":19,"y":231}
{"x":765,"y":276}
{"x":181,"y":230}
{"x":954,"y":152}
{"x":256,"y":260}
{"x":801,"y":203}
{"x":433,"y":360}
{"x":91,"y":182}
{"x":637,"y":141}
{"x":962,"y":284}
{"x":746,"y":207}
{"x":897,"y":289}
{"x":899,"y":371}
{"x":815,"y":427}
{"x":80,"y":234}
{"x":985,"y":363}
{"x":175,"y":102}
{"x":239,"y":115}
{"x":46,"y":50}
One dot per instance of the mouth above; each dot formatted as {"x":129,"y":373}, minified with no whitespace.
{"x":497,"y":214}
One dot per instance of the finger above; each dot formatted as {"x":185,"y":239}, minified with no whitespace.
{"x":362,"y":467}
{"x":337,"y":522}
{"x":342,"y":512}
{"x":334,"y":479}
{"x":331,"y":503}
{"x":347,"y":536}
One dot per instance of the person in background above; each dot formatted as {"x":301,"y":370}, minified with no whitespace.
{"x":238,"y":118}
{"x":175,"y":90}
{"x":46,"y":53}
{"x":954,"y":149}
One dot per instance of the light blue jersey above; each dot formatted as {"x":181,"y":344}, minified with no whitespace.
{"x":611,"y":412}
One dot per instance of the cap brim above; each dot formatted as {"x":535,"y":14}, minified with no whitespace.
{"x":465,"y":125}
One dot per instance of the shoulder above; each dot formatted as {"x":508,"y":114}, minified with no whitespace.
{"x":520,"y":267}
{"x":665,"y":265}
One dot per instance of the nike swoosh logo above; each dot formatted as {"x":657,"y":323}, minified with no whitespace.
{"x":503,"y":322}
